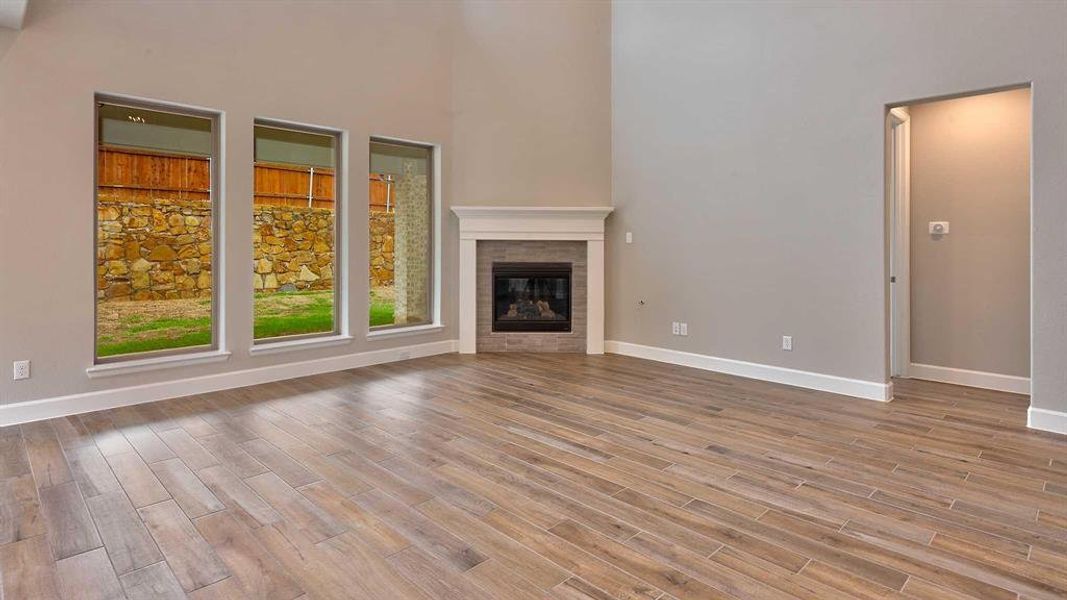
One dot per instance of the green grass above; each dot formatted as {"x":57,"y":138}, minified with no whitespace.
{"x":315,"y":316}
{"x":168,"y":323}
{"x":276,"y":315}
{"x":186,"y":340}
{"x":381,"y":313}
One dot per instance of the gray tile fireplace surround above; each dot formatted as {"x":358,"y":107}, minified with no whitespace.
{"x":490,"y":251}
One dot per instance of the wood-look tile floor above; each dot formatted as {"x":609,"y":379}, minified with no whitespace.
{"x":537,"y":476}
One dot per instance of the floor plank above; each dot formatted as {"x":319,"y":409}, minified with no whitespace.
{"x":154,"y":582}
{"x":46,"y":454}
{"x":140,"y":484}
{"x":70,"y":528}
{"x":192,"y":559}
{"x":255,"y":571}
{"x":20,"y":509}
{"x":88,"y":576}
{"x":128,"y":543}
{"x":92,"y":471}
{"x":189,"y":492}
{"x":27,"y":570}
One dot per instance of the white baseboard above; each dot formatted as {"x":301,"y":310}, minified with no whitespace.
{"x":978,"y":379}
{"x":1047,"y":420}
{"x":868,"y":390}
{"x":35,"y":410}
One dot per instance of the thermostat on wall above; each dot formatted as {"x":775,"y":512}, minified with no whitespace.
{"x":938,"y":227}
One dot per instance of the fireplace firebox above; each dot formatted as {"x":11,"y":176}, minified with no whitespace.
{"x":531,"y":296}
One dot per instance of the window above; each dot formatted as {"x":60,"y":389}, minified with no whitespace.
{"x":155,"y":229}
{"x":295,"y":220}
{"x":401,"y":233}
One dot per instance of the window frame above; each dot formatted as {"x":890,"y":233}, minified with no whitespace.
{"x":339,"y":332}
{"x":433,"y":168}
{"x":217,"y":347}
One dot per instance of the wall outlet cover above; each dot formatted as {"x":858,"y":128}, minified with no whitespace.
{"x":21,"y":369}
{"x":676,"y":328}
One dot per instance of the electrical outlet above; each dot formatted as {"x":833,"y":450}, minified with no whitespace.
{"x":22,"y":369}
{"x":787,"y":342}
{"x":676,"y":328}
{"x":629,"y":237}
{"x":684,"y":328}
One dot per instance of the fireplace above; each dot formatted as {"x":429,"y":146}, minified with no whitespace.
{"x":531,"y":296}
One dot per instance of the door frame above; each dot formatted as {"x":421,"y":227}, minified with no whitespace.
{"x":900,"y":235}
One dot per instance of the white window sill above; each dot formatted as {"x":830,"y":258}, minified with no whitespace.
{"x":392,"y":332}
{"x":303,"y":344}
{"x":152,"y":364}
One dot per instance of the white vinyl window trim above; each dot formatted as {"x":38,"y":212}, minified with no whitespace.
{"x":171,"y":361}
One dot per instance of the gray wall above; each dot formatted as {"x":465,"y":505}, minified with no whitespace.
{"x":970,"y":289}
{"x":531,"y":84}
{"x":749,"y":159}
{"x":380,"y":69}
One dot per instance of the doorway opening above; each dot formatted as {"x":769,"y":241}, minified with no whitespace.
{"x":958,"y":187}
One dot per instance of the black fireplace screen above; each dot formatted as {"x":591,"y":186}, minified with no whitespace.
{"x":531,"y":297}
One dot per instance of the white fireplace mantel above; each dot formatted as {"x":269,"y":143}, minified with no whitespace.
{"x":566,"y":223}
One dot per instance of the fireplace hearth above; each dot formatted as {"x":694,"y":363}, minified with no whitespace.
{"x":531,"y":297}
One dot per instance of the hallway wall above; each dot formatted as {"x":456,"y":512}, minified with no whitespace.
{"x":970,"y":289}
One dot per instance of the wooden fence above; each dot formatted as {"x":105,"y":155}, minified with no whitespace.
{"x":140,"y":176}
{"x":127,"y":174}
{"x":289,"y":185}
{"x":382,"y":193}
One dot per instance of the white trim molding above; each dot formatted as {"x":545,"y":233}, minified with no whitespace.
{"x":35,"y":410}
{"x":310,"y":343}
{"x":900,"y":251}
{"x":170,"y":361}
{"x":394,"y":332}
{"x":1047,"y":420}
{"x":567,"y":223}
{"x":868,"y":390}
{"x":978,"y":379}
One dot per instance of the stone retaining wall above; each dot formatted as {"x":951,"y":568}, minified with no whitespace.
{"x":153,"y":251}
{"x":293,"y":248}
{"x":382,"y":232}
{"x":163,"y":250}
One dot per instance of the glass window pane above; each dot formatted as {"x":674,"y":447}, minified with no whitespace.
{"x":295,"y":232}
{"x":401,"y":237}
{"x":154,"y":231}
